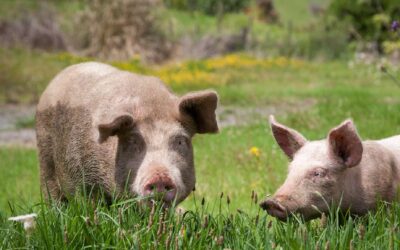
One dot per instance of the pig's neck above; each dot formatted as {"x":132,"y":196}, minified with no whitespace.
{"x":376,"y":177}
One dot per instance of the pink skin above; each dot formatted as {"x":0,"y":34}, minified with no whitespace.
{"x":162,"y":185}
{"x":119,"y":133}
{"x":338,"y":171}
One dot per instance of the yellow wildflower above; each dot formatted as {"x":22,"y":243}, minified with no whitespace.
{"x":247,"y":61}
{"x":231,"y":61}
{"x":191,"y":77}
{"x":255,"y":151}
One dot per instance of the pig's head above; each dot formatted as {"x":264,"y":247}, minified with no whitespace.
{"x":154,"y":153}
{"x":316,"y":170}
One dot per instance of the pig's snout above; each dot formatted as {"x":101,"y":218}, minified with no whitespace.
{"x":274,"y":208}
{"x":161,"y":187}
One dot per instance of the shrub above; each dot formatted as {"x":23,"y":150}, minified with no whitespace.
{"x":328,"y":41}
{"x":369,"y":19}
{"x":123,"y":29}
{"x":35,"y":29}
{"x":267,"y":11}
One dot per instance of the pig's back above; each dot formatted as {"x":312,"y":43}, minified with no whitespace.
{"x":392,"y":144}
{"x":73,"y":84}
{"x":100,"y":88}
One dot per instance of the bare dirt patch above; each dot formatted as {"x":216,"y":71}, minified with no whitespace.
{"x":10,"y":134}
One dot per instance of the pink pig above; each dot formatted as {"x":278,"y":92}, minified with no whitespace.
{"x":114,"y":132}
{"x":340,"y":170}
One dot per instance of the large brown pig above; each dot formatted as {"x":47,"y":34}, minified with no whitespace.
{"x":106,"y":129}
{"x":340,"y":170}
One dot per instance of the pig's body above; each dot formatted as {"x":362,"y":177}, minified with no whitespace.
{"x":376,"y":177}
{"x":340,"y":170}
{"x":110,"y":129}
{"x":393,"y":145}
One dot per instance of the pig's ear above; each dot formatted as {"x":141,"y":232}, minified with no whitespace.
{"x":345,"y":144}
{"x":118,"y":126}
{"x":288,"y":139}
{"x":201,"y":107}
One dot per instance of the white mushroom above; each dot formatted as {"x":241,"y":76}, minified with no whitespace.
{"x":27,"y":219}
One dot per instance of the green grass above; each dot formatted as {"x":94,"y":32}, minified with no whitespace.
{"x":12,"y":8}
{"x":298,"y":32}
{"x":26,"y":122}
{"x":123,"y":225}
{"x":336,"y":91}
{"x":223,"y":162}
{"x":299,"y":12}
{"x":19,"y":177}
{"x":224,"y":165}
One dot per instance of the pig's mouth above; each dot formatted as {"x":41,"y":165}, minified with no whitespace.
{"x":279,"y":211}
{"x":151,"y":203}
{"x":275,"y":209}
{"x":166,"y":199}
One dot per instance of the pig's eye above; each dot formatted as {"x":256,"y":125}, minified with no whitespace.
{"x":319,"y":172}
{"x":181,"y":142}
{"x":316,"y":174}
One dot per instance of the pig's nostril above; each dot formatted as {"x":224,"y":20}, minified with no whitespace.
{"x":150,"y":188}
{"x":274,"y":208}
{"x":264,"y":205}
{"x":161,"y":189}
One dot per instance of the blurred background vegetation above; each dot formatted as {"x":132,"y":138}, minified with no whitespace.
{"x":39,"y":38}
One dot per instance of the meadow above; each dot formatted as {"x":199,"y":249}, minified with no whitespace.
{"x":236,"y":168}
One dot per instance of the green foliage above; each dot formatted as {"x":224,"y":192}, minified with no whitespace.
{"x":391,"y":46}
{"x":209,"y":7}
{"x":368,"y":19}
{"x":298,"y":12}
{"x":328,"y":41}
{"x":24,"y":74}
{"x":20,"y":178}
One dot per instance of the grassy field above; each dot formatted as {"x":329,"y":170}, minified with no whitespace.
{"x":309,"y":96}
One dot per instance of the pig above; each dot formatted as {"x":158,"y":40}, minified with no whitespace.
{"x":116,"y":132}
{"x":340,"y":171}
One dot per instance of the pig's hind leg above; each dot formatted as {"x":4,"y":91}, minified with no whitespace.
{"x":49,"y":184}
